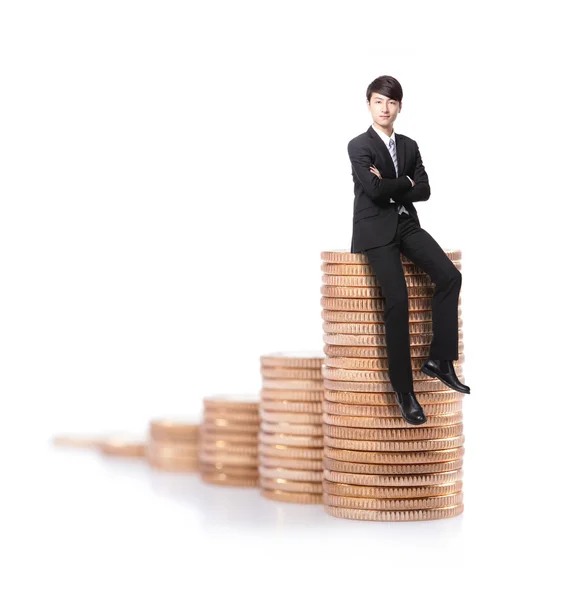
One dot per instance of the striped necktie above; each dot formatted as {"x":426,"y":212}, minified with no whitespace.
{"x":392,"y":148}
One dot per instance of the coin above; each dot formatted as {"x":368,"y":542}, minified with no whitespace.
{"x":418,"y":433}
{"x":292,"y":474}
{"x":291,"y":373}
{"x":294,"y":497}
{"x":123,"y":446}
{"x":294,"y":359}
{"x":361,"y":410}
{"x":389,"y":398}
{"x":338,"y":468}
{"x":416,"y":350}
{"x":402,"y":457}
{"x":392,"y":491}
{"x":289,"y":485}
{"x":398,"y":515}
{"x":390,"y":504}
{"x":432,"y":421}
{"x":291,"y":440}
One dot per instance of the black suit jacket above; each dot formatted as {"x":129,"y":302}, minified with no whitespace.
{"x":375,"y":219}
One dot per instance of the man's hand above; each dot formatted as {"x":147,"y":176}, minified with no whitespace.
{"x":376,"y":172}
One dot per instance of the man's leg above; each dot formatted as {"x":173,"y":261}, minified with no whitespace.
{"x":422,"y":249}
{"x":386,"y":263}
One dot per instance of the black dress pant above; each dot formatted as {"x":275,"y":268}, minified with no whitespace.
{"x":419,"y":246}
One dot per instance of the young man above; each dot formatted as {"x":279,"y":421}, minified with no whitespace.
{"x":389,"y":177}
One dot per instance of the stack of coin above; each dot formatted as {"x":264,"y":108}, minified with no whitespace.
{"x":378,"y":467}
{"x":228,"y":453}
{"x":291,"y":436}
{"x":174,"y":445}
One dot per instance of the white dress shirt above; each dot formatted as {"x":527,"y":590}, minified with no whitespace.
{"x":386,"y":140}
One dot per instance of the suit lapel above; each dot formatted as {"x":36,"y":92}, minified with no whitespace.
{"x":384,"y":152}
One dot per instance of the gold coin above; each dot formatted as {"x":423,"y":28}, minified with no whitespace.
{"x":230,"y":438}
{"x":361,"y":410}
{"x":414,"y":291}
{"x":171,"y":451}
{"x":369,"y":281}
{"x":379,"y":351}
{"x":294,"y":497}
{"x":292,"y":474}
{"x":223,"y":427}
{"x":432,"y":421}
{"x":291,"y":486}
{"x":338,"y":374}
{"x":389,"y":398}
{"x":274,"y":416}
{"x":420,"y":433}
{"x":345,"y":316}
{"x":230,"y":470}
{"x":338,"y":468}
{"x":375,"y":386}
{"x":371,"y":364}
{"x":291,"y":463}
{"x":395,"y":446}
{"x":291,"y":428}
{"x":223,"y":479}
{"x":369,"y":491}
{"x":291,"y":451}
{"x":308,"y":359}
{"x":366,"y":269}
{"x":232,"y":416}
{"x":404,"y":457}
{"x":424,"y":514}
{"x":393,"y":503}
{"x":293,"y":395}
{"x":221,"y":446}
{"x":291,"y":373}
{"x":344,"y":339}
{"x":347,"y":257}
{"x":223,"y":457}
{"x":173,"y":466}
{"x":374,"y":304}
{"x":123,"y":446}
{"x":292,"y":384}
{"x":291,"y":406}
{"x":232,"y":402}
{"x":291,"y":440}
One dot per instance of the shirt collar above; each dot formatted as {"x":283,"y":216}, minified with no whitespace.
{"x":384,"y":137}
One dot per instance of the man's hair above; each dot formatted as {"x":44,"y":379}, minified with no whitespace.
{"x":387,"y":86}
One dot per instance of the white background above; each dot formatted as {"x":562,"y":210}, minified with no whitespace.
{"x":169,"y":175}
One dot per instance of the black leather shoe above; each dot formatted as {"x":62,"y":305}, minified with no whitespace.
{"x":411,"y":409}
{"x":445,"y":372}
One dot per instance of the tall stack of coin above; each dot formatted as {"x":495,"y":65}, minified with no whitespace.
{"x":291,"y":436}
{"x":228,"y":452}
{"x":173,"y":445}
{"x":378,"y":467}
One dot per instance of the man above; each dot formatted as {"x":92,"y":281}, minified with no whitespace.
{"x":389,"y":176}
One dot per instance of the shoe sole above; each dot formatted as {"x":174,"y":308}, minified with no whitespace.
{"x":431,"y":373}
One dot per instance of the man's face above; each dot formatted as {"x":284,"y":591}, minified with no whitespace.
{"x":384,"y":110}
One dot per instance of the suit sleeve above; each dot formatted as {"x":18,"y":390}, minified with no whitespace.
{"x":376,"y":188}
{"x":421,"y":190}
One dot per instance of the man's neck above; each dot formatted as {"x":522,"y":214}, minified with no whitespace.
{"x":388,"y":132}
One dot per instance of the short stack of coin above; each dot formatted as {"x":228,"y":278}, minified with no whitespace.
{"x":173,"y":445}
{"x":228,"y":453}
{"x":291,"y":436}
{"x":378,"y":467}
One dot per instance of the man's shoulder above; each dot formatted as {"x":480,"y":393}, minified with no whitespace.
{"x":359,"y":139}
